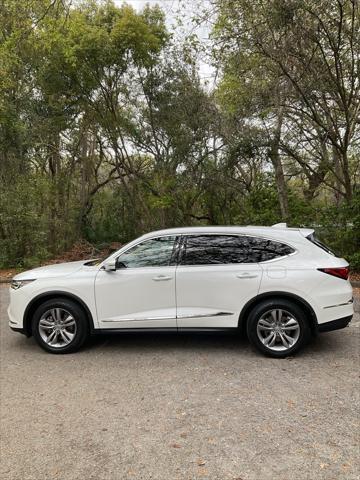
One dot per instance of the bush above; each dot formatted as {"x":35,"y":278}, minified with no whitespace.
{"x":354,"y":261}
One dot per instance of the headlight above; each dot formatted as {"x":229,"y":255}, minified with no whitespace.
{"x":16,"y":284}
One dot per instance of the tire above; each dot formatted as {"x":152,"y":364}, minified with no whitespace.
{"x":65,"y":321}
{"x":278,"y":327}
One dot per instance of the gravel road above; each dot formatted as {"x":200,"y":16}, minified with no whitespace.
{"x":179,"y":407}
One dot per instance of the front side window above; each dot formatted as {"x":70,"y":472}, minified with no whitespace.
{"x":230,"y":249}
{"x":156,"y":252}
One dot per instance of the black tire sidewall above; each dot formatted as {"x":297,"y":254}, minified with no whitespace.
{"x":81,"y":324}
{"x":292,"y":308}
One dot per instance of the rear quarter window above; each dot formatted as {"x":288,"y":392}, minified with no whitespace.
{"x":266,"y":250}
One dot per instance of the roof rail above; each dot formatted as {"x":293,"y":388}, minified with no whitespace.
{"x":279,"y":225}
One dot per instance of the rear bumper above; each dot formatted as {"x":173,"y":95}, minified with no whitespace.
{"x":335,"y":324}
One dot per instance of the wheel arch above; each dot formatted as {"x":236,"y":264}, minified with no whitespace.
{"x":310,"y":313}
{"x":39,"y":299}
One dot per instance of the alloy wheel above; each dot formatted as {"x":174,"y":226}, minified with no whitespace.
{"x":57,"y":327}
{"x":278,"y":330}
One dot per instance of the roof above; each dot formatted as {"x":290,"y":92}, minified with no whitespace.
{"x":276,"y":231}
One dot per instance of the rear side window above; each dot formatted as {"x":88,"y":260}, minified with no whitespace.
{"x":269,"y":249}
{"x":227,"y":249}
{"x":319,"y":244}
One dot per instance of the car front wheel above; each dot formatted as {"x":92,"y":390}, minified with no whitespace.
{"x":60,"y":326}
{"x":278,"y":328}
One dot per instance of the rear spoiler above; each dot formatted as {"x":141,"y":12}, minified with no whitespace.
{"x":279,"y":225}
{"x":304,"y":231}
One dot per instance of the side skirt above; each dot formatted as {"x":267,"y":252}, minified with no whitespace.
{"x":107,"y":331}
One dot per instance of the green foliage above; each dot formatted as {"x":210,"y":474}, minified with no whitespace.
{"x":354,"y":261}
{"x":23,"y":225}
{"x":339,"y":227}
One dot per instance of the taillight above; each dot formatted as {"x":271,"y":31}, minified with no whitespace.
{"x":340,"y":272}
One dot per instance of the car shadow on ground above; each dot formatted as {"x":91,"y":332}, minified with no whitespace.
{"x":167,"y":341}
{"x":324,"y":344}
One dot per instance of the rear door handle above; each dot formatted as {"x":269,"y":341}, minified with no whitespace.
{"x":247,"y":275}
{"x":161,"y":278}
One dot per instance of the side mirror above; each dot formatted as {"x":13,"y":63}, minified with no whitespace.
{"x":109,"y":265}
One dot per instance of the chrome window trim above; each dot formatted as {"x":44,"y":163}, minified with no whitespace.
{"x":179,"y":245}
{"x":283,"y":256}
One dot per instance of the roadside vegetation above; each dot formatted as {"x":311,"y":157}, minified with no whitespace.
{"x":108,"y":131}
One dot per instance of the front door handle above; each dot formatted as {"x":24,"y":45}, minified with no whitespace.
{"x":161,"y":278}
{"x":247,"y":275}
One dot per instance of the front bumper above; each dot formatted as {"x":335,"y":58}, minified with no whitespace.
{"x":335,"y":324}
{"x":17,"y":305}
{"x":19,"y":330}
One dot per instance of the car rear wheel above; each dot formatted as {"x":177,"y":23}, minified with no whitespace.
{"x":60,"y":326}
{"x":278,"y":328}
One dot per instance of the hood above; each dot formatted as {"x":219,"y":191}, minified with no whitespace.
{"x":56,"y":270}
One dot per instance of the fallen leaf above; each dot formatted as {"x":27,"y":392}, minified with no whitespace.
{"x":202,"y":472}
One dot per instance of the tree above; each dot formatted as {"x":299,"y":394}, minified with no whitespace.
{"x":108,"y":131}
{"x":313,"y":50}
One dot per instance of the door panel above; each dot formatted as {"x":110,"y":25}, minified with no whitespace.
{"x":140,"y":293}
{"x":217,"y":275}
{"x":136,"y":298}
{"x":212,"y":296}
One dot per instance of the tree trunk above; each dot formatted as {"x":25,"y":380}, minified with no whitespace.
{"x":346,"y":176}
{"x":278,"y":167}
{"x":54,"y":168}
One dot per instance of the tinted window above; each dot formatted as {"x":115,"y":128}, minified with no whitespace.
{"x":223,"y":249}
{"x":156,"y":252}
{"x":268,"y":249}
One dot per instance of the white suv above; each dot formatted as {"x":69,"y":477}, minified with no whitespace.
{"x":276,"y":283}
